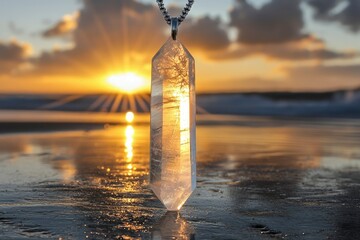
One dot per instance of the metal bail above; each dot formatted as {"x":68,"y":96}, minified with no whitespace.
{"x":174,"y":27}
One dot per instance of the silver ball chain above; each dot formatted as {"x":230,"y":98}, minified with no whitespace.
{"x":182,"y":16}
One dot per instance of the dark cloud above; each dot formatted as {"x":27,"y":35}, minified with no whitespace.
{"x":206,"y":34}
{"x":323,"y":7}
{"x":12,"y":54}
{"x":278,"y":21}
{"x":66,"y":25}
{"x":13,"y":50}
{"x":275,"y":30}
{"x":348,"y":16}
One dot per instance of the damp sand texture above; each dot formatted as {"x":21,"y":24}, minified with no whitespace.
{"x":257,"y":178}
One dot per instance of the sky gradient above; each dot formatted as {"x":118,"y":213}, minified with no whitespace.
{"x":255,"y":45}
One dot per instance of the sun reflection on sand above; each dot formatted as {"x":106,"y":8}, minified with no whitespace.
{"x":129,"y":136}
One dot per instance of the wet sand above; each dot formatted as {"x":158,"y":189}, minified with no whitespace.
{"x":258,"y":178}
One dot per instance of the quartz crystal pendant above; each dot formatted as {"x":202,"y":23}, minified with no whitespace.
{"x":173,"y":110}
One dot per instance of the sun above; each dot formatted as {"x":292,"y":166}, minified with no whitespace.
{"x":128,"y":82}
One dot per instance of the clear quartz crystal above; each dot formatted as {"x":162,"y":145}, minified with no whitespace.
{"x":173,"y":140}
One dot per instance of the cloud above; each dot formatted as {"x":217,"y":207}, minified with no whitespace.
{"x":283,"y":53}
{"x":112,"y":36}
{"x":309,"y":48}
{"x":323,"y":7}
{"x":278,"y":21}
{"x":12,"y":54}
{"x":205,"y":33}
{"x":66,"y":25}
{"x":347,"y":12}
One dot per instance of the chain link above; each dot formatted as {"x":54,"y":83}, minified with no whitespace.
{"x":182,"y":16}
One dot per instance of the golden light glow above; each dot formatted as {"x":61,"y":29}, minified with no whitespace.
{"x":184,"y":101}
{"x":128,"y":82}
{"x":184,"y":118}
{"x":129,"y":117}
{"x":68,"y":170}
{"x":129,"y":138}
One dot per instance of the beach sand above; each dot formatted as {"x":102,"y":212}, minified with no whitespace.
{"x":258,"y":178}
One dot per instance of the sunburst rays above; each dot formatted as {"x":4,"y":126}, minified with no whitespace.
{"x":116,"y":103}
{"x":60,"y":102}
{"x":109,"y":51}
{"x":97,"y":103}
{"x":110,"y":103}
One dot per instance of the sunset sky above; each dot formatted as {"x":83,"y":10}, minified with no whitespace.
{"x":76,"y":46}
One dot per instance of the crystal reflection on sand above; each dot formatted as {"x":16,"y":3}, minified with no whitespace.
{"x":275,"y":176}
{"x":172,"y":226}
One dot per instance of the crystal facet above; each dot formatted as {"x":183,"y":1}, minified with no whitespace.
{"x":173,"y":110}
